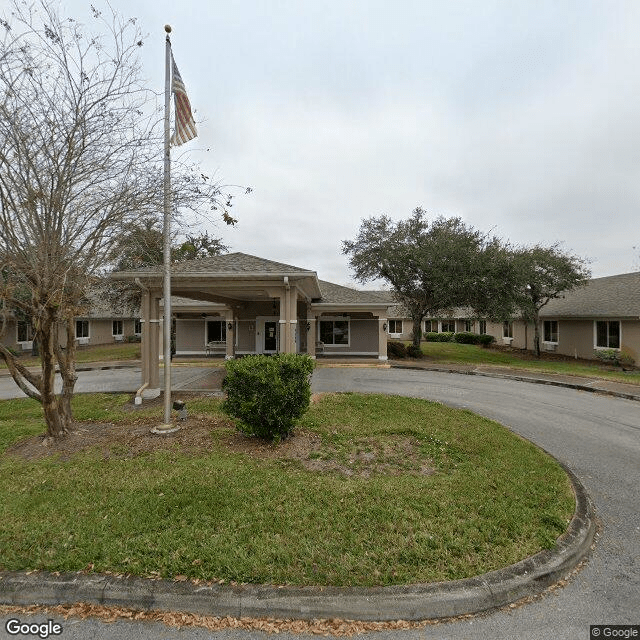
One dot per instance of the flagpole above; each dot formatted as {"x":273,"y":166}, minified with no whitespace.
{"x":167,"y":427}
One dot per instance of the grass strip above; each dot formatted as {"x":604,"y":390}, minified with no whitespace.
{"x":451,"y":352}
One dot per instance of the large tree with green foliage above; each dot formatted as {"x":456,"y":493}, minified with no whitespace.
{"x":431,"y":266}
{"x":542,"y":274}
{"x":142,"y":246}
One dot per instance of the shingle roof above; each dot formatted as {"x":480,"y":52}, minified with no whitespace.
{"x":226,"y":263}
{"x":613,"y":296}
{"x":337,"y":294}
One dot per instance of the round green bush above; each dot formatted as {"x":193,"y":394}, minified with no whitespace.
{"x":485,"y":339}
{"x":268,"y":394}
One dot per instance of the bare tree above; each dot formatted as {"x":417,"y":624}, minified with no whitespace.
{"x":80,"y":157}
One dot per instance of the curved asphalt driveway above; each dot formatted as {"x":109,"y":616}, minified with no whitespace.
{"x":598,"y":437}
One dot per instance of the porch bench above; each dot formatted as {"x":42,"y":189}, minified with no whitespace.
{"x":216,"y":347}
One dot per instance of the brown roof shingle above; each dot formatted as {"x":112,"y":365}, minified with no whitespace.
{"x":611,"y":297}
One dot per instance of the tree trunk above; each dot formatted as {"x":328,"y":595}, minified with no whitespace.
{"x":66,"y":364}
{"x":536,"y":338}
{"x":55,"y":425}
{"x":417,"y":331}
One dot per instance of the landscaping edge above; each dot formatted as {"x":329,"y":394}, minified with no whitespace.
{"x":526,"y":578}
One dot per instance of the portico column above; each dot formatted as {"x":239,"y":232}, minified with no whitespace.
{"x":311,"y":336}
{"x":382,"y":339}
{"x":144,"y":342}
{"x":293,"y":320}
{"x":228,"y":318}
{"x":150,"y":345}
{"x":285,"y":327}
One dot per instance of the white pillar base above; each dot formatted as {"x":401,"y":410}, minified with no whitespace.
{"x":165,"y":429}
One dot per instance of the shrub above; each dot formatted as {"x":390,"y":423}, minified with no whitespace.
{"x":465,"y":337}
{"x":268,"y":394}
{"x":414,"y":352}
{"x":615,"y":357}
{"x":396,"y":349}
{"x":445,"y":336}
{"x":484,"y":339}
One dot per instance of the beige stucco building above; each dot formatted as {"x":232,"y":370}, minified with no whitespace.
{"x":238,"y":304}
{"x":604,"y":314}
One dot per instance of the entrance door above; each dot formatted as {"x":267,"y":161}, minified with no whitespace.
{"x":267,"y":334}
{"x":270,"y":337}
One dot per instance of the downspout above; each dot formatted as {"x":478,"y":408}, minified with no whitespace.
{"x":138,"y":399}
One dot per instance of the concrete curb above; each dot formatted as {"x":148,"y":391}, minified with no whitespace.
{"x":412,"y":602}
{"x":523,"y":378}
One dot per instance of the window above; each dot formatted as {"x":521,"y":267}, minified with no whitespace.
{"x":216,"y":331}
{"x":550,"y":331}
{"x":137,"y":326}
{"x":334,"y":332}
{"x":608,"y":334}
{"x":431,"y":326}
{"x":395,"y":326}
{"x":449,"y":325}
{"x":117,"y":328}
{"x":507,"y":329}
{"x":82,"y":328}
{"x":25,"y":332}
{"x":483,"y":326}
{"x":468,"y":326}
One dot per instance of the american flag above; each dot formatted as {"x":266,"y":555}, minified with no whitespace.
{"x":185,"y":124}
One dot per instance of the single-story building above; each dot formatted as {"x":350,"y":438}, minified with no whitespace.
{"x":237,"y":304}
{"x":604,"y":314}
{"x":99,"y":325}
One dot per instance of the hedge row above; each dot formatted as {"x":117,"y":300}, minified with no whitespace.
{"x":463,"y":337}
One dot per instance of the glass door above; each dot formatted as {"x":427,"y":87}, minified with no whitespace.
{"x":270,"y":337}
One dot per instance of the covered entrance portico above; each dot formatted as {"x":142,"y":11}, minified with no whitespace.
{"x":237,"y":304}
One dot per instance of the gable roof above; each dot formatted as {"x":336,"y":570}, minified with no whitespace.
{"x":611,"y":297}
{"x":225,"y":264}
{"x":337,"y":294}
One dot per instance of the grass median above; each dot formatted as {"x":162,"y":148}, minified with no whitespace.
{"x":452,"y":352}
{"x":370,"y":490}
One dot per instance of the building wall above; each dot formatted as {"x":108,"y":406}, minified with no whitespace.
{"x":576,"y":338}
{"x":9,"y":338}
{"x":190,"y":336}
{"x":363,"y":335}
{"x":631,"y":338}
{"x":100,"y":332}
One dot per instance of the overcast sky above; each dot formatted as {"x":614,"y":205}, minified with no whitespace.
{"x":520,"y":117}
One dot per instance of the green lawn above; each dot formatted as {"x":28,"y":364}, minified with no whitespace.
{"x":396,"y":490}
{"x":97,"y":353}
{"x":452,"y":352}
